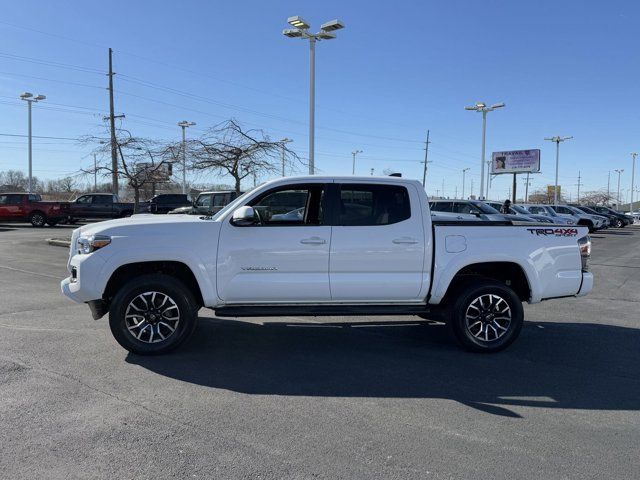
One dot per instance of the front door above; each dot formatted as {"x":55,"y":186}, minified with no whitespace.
{"x":378,"y":244}
{"x":284,"y":256}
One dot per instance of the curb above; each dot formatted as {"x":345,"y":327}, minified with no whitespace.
{"x":59,"y":242}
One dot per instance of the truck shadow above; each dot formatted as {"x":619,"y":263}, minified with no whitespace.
{"x":552,"y":365}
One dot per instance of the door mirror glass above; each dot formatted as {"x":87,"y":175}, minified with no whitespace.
{"x":244,"y":216}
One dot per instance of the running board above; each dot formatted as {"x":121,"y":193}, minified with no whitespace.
{"x":318,"y":310}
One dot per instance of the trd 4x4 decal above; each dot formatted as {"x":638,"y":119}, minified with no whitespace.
{"x":556,"y":232}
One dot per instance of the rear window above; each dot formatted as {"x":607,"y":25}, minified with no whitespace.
{"x":362,"y":205}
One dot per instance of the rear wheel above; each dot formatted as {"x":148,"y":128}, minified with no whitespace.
{"x":619,"y":223}
{"x":487,"y":316}
{"x":152,"y":314}
{"x":38,"y":219}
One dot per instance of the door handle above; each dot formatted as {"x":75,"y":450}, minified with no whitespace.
{"x":405,"y":240}
{"x":313,"y":241}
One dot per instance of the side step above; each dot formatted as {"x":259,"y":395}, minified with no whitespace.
{"x":318,"y":310}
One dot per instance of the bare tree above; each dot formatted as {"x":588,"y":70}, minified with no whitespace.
{"x":141,"y":161}
{"x":598,"y":197}
{"x":228,"y":149}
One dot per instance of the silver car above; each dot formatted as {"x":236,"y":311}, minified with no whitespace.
{"x":594,"y":222}
{"x":546,"y":210}
{"x":477,"y":208}
{"x":518,"y":210}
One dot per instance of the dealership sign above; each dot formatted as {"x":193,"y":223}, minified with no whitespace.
{"x":516,"y":161}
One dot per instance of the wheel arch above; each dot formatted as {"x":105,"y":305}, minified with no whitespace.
{"x":176,"y":269}
{"x":509,"y":273}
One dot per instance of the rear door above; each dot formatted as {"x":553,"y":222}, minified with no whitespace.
{"x":283,"y":258}
{"x":102,"y":206}
{"x":377,"y":243}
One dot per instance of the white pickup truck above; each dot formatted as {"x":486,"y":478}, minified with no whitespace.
{"x":322,"y":246}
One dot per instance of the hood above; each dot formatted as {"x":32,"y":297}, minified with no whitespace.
{"x":144,"y":224}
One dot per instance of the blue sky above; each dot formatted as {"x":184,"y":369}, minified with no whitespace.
{"x":396,"y":70}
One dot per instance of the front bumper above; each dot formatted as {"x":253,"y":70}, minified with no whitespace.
{"x":587,"y":284}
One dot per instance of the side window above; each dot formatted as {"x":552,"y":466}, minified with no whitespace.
{"x":463,"y":207}
{"x":221,"y":199}
{"x":291,"y":205}
{"x":441,"y":206}
{"x":85,"y":199}
{"x":563,"y":210}
{"x":14,"y":199}
{"x":34,"y":197}
{"x":362,"y":205}
{"x":102,"y":199}
{"x":204,"y":201}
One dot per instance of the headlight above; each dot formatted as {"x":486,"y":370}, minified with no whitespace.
{"x":91,"y":243}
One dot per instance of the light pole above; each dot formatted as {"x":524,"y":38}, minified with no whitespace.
{"x":353,"y":168}
{"x":301,"y":30}
{"x":633,"y":174}
{"x":482,"y":107}
{"x":557,"y":139}
{"x":619,"y":172}
{"x":184,"y":124}
{"x":464,"y":174}
{"x":284,"y":141}
{"x":29,"y":98}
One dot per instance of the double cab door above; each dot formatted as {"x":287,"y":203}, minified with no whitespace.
{"x":325,"y":242}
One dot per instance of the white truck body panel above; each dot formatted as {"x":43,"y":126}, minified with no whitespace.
{"x":319,"y":264}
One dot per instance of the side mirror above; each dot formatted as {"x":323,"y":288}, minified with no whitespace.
{"x":244,"y":216}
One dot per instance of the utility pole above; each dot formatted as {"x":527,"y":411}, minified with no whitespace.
{"x":95,"y":173}
{"x":284,"y":141}
{"x":353,"y":167}
{"x":426,"y":155}
{"x":112,"y":126}
{"x":526,"y":190}
{"x":633,"y":174}
{"x":488,"y":178}
{"x":464,"y":173}
{"x":456,"y":195}
{"x":608,"y":185}
{"x":443,"y":187}
{"x":619,"y":172}
{"x":557,"y":139}
{"x":579,"y":185}
{"x":515,"y":188}
{"x":471,"y":189}
{"x":184,"y":124}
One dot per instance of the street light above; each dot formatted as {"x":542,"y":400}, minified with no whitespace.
{"x":301,"y":30}
{"x":353,"y":168}
{"x":184,"y":124}
{"x":557,"y":139}
{"x":464,"y":173}
{"x":29,"y":98}
{"x":284,"y":141}
{"x":633,"y":174}
{"x":619,"y":172}
{"x":482,"y":107}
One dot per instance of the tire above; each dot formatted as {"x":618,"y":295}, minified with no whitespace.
{"x":619,"y":223}
{"x":38,"y":219}
{"x":589,"y":225}
{"x":491,"y":332}
{"x":137,"y":328}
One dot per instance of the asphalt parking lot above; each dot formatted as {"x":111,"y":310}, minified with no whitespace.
{"x":302,"y":398}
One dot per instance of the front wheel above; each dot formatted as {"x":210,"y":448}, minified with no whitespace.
{"x":619,"y":223}
{"x":487,"y":316}
{"x":152,"y":314}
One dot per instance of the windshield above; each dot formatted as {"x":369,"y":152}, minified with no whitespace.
{"x":234,"y":204}
{"x":574,"y":209}
{"x":519,"y":209}
{"x":484,"y":208}
{"x":589,"y":211}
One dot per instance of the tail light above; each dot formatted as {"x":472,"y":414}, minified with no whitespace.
{"x":585,"y":251}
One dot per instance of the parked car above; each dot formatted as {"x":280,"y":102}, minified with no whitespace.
{"x":593,"y":222}
{"x":165,"y":202}
{"x":208,"y":203}
{"x":546,"y":210}
{"x":518,"y":210}
{"x":364,"y":246}
{"x":610,"y":220}
{"x":98,"y":206}
{"x":621,"y":220}
{"x":29,"y":207}
{"x":475,"y":207}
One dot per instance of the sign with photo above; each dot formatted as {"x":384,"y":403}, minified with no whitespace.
{"x":516,"y":161}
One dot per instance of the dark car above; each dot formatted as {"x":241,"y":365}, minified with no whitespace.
{"x":619,"y":219}
{"x":99,"y":206}
{"x":165,"y":202}
{"x":208,"y":203}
